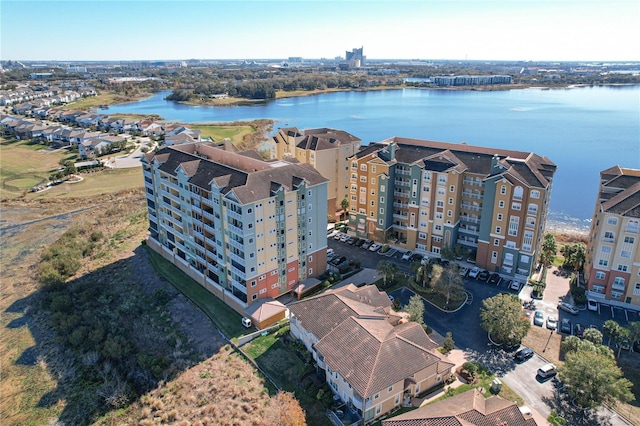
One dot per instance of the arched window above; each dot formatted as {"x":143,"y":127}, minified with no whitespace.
{"x":517,"y":193}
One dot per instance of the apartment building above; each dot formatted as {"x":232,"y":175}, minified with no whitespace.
{"x":326,"y":150}
{"x":244,"y":228}
{"x":422,"y":195}
{"x":612,"y":267}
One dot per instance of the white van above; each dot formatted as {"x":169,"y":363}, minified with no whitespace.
{"x":246,"y":322}
{"x":592,"y":305}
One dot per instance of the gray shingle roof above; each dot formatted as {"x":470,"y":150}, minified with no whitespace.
{"x":620,"y":191}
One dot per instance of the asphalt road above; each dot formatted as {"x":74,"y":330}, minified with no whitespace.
{"x":465,"y":327}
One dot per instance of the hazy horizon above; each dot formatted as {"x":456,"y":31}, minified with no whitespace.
{"x":454,"y":30}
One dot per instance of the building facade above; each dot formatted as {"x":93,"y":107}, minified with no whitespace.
{"x":326,"y":150}
{"x":487,"y":204}
{"x":243,"y":228}
{"x":612,"y":267}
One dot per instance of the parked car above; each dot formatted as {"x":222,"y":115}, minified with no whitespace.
{"x":474,"y":272}
{"x":330,"y":252}
{"x":407,"y":255}
{"x":578,"y":330}
{"x":246,"y":322}
{"x":552,"y":322}
{"x":338,"y":236}
{"x":415,"y":257}
{"x":565,"y":326}
{"x":538,"y":318}
{"x":337,"y":261}
{"x":344,"y":238}
{"x":351,"y":240}
{"x":375,"y":247}
{"x":547,"y":370}
{"x":360,"y":242}
{"x":592,"y":305}
{"x":515,"y":285}
{"x":367,"y":244}
{"x":494,"y":279}
{"x":568,"y":307}
{"x":523,"y":354}
{"x":463,"y":270}
{"x":483,"y":276}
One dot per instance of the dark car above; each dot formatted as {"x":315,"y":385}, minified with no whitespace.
{"x":565,"y":326}
{"x":483,"y":276}
{"x":578,"y":330}
{"x":359,"y":243}
{"x":523,"y":354}
{"x":494,"y":278}
{"x":338,"y":260}
{"x":352,"y":240}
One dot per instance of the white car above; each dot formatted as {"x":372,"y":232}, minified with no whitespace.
{"x":515,"y":285}
{"x":407,"y":255}
{"x":463,"y":271}
{"x":474,"y":272}
{"x":375,"y":247}
{"x":344,"y":238}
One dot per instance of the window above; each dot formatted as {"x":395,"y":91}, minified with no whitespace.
{"x":600,"y":275}
{"x":612,"y":221}
{"x":508,"y":259}
{"x":381,"y":188}
{"x":496,"y":241}
{"x":517,"y":193}
{"x":510,"y":244}
{"x":363,"y":167}
{"x":605,"y":252}
{"x":422,"y":235}
{"x":516,"y":206}
{"x":622,"y":268}
{"x":524,"y":259}
{"x":376,"y":396}
{"x":503,"y":189}
{"x":373,"y":181}
{"x":633,"y":226}
{"x":501,"y":204}
{"x":494,"y":257}
{"x":450,"y":201}
{"x":440,"y":191}
{"x":439,"y":203}
{"x":373,"y":203}
{"x":373,"y":168}
{"x":449,"y":213}
{"x":598,"y":288}
{"x":438,"y":227}
{"x":381,"y":210}
{"x":452,"y":188}
{"x":381,"y":200}
{"x":371,"y":213}
{"x":636,"y":290}
{"x":380,"y":222}
{"x":514,"y":222}
{"x":527,"y":241}
{"x":535,"y":194}
{"x":390,"y":388}
{"x":499,"y":217}
{"x":532,"y":209}
{"x":439,"y":216}
{"x":253,"y":283}
{"x":363,"y":178}
{"x":498,"y":229}
{"x":629,"y":240}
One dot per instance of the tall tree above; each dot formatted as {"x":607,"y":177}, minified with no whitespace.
{"x":287,"y":410}
{"x":388,"y":270}
{"x":610,"y":329}
{"x":415,"y":309}
{"x":593,"y":335}
{"x":449,"y":282}
{"x":548,"y":251}
{"x":592,"y":379}
{"x":502,"y":318}
{"x":634,"y":333}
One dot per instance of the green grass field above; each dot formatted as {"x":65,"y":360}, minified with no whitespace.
{"x":96,"y":183}
{"x":219,"y":132}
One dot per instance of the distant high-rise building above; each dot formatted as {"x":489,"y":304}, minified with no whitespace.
{"x":612,"y":267}
{"x":355,"y":58}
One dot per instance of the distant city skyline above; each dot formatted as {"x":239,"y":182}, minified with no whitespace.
{"x":542,"y":30}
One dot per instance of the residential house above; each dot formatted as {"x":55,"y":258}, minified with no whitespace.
{"x":469,"y":408}
{"x":426,"y":196}
{"x":325,"y":149}
{"x":370,"y":356}
{"x":243,"y":228}
{"x":98,"y":145}
{"x":612,"y":267}
{"x":150,"y":128}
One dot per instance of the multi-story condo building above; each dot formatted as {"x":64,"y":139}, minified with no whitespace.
{"x":425,"y":196}
{"x":244,"y":228}
{"x":326,"y":150}
{"x":612,"y":267}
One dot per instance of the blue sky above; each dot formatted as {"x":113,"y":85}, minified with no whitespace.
{"x":553,"y":30}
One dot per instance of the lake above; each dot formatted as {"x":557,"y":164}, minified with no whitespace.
{"x":583,"y":130}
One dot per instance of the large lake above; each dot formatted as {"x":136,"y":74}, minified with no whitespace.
{"x":583,"y":130}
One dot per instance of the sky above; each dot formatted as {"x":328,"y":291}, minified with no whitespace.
{"x":522,"y":30}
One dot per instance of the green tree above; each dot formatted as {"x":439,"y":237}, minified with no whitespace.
{"x":422,"y":272}
{"x":69,"y":168}
{"x":555,"y":419}
{"x":621,"y":338}
{"x":449,"y":282}
{"x":415,"y":309}
{"x":502,"y":318}
{"x":611,"y":329}
{"x":448,"y":344}
{"x":548,"y":251}
{"x":593,"y":335}
{"x":592,"y":379}
{"x":387,"y":270}
{"x":634,"y":333}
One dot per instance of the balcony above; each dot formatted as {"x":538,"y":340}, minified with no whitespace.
{"x":470,"y":219}
{"x":608,"y":239}
{"x":400,"y":182}
{"x":468,"y":242}
{"x":476,"y":195}
{"x":618,"y":286}
{"x":210,"y":229}
{"x":470,"y":207}
{"x":398,"y":215}
{"x":236,"y":244}
{"x":403,"y":172}
{"x":470,"y":231}
{"x":208,"y":215}
{"x":235,"y":215}
{"x":471,"y":182}
{"x":401,"y":205}
{"x":532,"y":212}
{"x":235,"y":229}
{"x":402,"y":194}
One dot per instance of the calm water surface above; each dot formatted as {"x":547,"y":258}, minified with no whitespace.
{"x":582,"y":130}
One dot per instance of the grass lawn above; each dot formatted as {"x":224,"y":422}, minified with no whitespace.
{"x":537,"y":339}
{"x":25,"y":156}
{"x":219,"y":132}
{"x":225,"y":318}
{"x":96,"y":183}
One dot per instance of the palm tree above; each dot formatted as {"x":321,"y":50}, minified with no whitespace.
{"x":611,"y":329}
{"x":555,"y":419}
{"x":388,"y":270}
{"x":548,"y":252}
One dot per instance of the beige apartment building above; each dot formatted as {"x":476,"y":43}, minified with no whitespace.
{"x":326,"y":150}
{"x":612,"y":267}
{"x":426,"y":196}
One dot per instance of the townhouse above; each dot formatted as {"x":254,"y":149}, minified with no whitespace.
{"x":245,"y":229}
{"x":612,"y":267}
{"x":489,"y":205}
{"x":372,"y":358}
{"x":326,"y":150}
